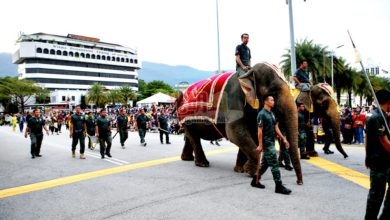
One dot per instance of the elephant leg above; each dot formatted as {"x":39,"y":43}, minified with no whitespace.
{"x":187,"y":154}
{"x":240,"y":162}
{"x":200,"y":157}
{"x":240,"y":137}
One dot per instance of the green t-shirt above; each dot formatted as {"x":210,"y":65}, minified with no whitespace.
{"x":163,"y":120}
{"x":103,"y":124}
{"x":35,"y":125}
{"x":142,"y":121}
{"x":266,"y":120}
{"x":78,"y":122}
{"x":122,"y":121}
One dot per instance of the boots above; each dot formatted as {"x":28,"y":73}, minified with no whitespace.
{"x":259,"y":185}
{"x":279,"y":188}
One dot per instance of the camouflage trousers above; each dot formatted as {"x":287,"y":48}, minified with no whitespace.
{"x":302,"y":142}
{"x":284,"y":154}
{"x":270,"y":160}
{"x":378,"y":180}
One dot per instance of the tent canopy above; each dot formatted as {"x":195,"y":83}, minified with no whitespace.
{"x":157,"y":98}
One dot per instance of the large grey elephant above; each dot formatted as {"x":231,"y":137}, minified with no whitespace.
{"x":237,"y":120}
{"x":325,"y":106}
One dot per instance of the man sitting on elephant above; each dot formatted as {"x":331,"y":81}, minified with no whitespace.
{"x":243,"y":64}
{"x":301,"y":77}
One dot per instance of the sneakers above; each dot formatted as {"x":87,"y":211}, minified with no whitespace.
{"x":279,"y":188}
{"x":73,"y":154}
{"x":82,"y":156}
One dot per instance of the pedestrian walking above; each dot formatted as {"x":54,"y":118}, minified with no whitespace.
{"x":378,"y":158}
{"x":267,"y":130}
{"x":141,"y":124}
{"x":14,"y":122}
{"x":77,"y":129}
{"x":103,"y":132}
{"x":162,"y":124}
{"x":34,"y":129}
{"x":90,"y":123}
{"x":302,"y":137}
{"x":121,"y":126}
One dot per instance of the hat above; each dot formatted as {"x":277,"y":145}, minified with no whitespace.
{"x":383,"y":96}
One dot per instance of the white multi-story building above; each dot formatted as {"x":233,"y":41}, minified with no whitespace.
{"x":69,"y":65}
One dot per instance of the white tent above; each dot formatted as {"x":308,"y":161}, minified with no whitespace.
{"x":156,"y":99}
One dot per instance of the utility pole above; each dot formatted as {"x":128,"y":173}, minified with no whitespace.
{"x":292,"y":38}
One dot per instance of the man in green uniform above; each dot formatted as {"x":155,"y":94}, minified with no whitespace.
{"x":378,"y":158}
{"x":141,"y":124}
{"x":243,"y":64}
{"x":103,"y":131}
{"x":90,"y":123}
{"x":267,"y":128}
{"x":77,"y":129}
{"x":302,"y":131}
{"x":121,"y":126}
{"x":34,"y":128}
{"x":162,"y":125}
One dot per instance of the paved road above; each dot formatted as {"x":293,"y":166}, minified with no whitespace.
{"x":140,"y":183}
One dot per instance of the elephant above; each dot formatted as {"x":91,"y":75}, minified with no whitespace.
{"x":324,"y":106}
{"x":237,"y":120}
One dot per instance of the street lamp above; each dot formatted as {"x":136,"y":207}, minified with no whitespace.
{"x":331,"y":64}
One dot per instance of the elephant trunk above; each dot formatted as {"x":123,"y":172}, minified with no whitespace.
{"x":335,"y":123}
{"x":290,"y":116}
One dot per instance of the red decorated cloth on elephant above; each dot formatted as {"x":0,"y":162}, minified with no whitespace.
{"x":202,"y":99}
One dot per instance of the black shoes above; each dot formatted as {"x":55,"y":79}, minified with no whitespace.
{"x":305,"y":157}
{"x":102,"y":156}
{"x":108,"y":155}
{"x":279,"y":188}
{"x":168,"y":142}
{"x":32,"y":157}
{"x":258,"y":185}
{"x":38,"y":155}
{"x":327,"y":151}
{"x":281,"y":164}
{"x":288,"y":167}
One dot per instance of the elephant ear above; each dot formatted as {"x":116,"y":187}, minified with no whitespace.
{"x":246,"y":83}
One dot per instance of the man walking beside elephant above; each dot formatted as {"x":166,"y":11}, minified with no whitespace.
{"x":267,"y":128}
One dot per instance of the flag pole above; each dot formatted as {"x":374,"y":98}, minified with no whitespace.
{"x":359,"y":59}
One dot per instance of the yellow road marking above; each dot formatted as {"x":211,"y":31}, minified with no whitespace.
{"x":94,"y":174}
{"x":344,"y":172}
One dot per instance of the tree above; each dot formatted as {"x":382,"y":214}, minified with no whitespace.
{"x":141,"y":89}
{"x":96,"y":95}
{"x":20,"y":91}
{"x":128,"y":94}
{"x":115,"y":96}
{"x":43,"y":96}
{"x":316,"y":56}
{"x":156,"y":86}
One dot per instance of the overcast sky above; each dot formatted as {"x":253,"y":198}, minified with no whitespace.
{"x":183,"y":32}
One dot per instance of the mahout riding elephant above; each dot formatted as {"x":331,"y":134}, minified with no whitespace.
{"x":324,"y":106}
{"x":236,"y":120}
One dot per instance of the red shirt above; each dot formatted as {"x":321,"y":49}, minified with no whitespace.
{"x":359,"y":120}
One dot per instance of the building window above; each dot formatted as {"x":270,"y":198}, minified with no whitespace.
{"x":98,"y":57}
{"x":63,"y":98}
{"x":45,"y":51}
{"x":58,"y":52}
{"x":82,"y":55}
{"x":131,"y":61}
{"x":135,"y":61}
{"x":77,"y":55}
{"x":122,"y":60}
{"x":88,"y":56}
{"x":103,"y":57}
{"x":377,"y":70}
{"x":127,"y":60}
{"x":65,"y":53}
{"x":93,"y":56}
{"x":117,"y":59}
{"x":108,"y":58}
{"x":52,"y":52}
{"x":73,"y":98}
{"x":39,"y":50}
{"x":71,"y":54}
{"x":113,"y":59}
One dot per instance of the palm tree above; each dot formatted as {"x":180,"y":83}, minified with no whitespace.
{"x":315,"y":55}
{"x":127,"y":94}
{"x":96,"y":95}
{"x":115,"y":96}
